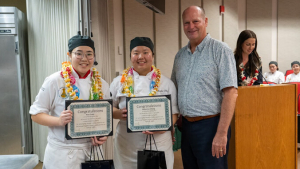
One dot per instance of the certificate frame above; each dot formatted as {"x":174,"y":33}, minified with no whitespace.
{"x":84,"y":104}
{"x":168,"y":122}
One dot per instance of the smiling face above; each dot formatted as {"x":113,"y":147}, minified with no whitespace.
{"x":142,"y":59}
{"x":82,"y":65}
{"x":273,"y":68}
{"x":248,"y":46}
{"x":194,"y":24}
{"x":296,"y":68}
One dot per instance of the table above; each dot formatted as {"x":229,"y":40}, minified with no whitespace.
{"x":18,"y":161}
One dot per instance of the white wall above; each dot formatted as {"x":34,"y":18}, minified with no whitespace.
{"x":118,"y":35}
{"x":275,"y":22}
{"x":212,"y":12}
{"x":288,"y":33}
{"x":232,"y":22}
{"x":259,"y":20}
{"x":166,"y":37}
{"x":166,"y":30}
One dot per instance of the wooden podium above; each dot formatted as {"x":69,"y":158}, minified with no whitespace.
{"x":264,"y":128}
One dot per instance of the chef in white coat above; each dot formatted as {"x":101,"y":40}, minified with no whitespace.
{"x":74,"y":81}
{"x":294,"y":77}
{"x":274,"y":75}
{"x":142,"y":79}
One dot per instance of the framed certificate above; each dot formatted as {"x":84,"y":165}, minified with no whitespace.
{"x":149,"y":113}
{"x":90,"y":118}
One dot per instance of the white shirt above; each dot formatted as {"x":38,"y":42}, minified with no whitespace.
{"x":293,"y":78}
{"x":276,"y":77}
{"x":126,"y":144}
{"x":51,"y":100}
{"x":142,"y":88}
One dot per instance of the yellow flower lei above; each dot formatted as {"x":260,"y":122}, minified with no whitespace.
{"x":95,"y":90}
{"x":128,"y":83}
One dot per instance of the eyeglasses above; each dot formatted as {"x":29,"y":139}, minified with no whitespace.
{"x":80,"y":55}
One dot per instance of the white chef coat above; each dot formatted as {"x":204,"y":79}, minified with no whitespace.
{"x":276,"y":77}
{"x":61,"y":153}
{"x":293,"y":78}
{"x":126,"y":144}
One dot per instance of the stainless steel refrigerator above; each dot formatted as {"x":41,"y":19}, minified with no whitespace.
{"x":15,"y":123}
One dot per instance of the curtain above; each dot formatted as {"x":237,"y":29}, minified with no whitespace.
{"x":50,"y":24}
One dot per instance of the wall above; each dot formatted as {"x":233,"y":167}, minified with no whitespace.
{"x":118,"y":32}
{"x":288,"y":32}
{"x":166,"y":30}
{"x":20,"y":4}
{"x":167,"y":26}
{"x":276,"y":23}
{"x":259,"y":20}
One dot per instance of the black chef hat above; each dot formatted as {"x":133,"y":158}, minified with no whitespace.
{"x":79,"y":40}
{"x":295,"y":62}
{"x":141,"y":41}
{"x":273,"y":62}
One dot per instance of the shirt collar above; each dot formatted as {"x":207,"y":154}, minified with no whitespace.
{"x":273,"y":73}
{"x":136,"y":74}
{"x":201,"y":45}
{"x":76,"y":74}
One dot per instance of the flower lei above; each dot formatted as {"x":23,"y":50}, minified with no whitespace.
{"x":128,"y":83}
{"x":244,"y":81}
{"x":95,"y":90}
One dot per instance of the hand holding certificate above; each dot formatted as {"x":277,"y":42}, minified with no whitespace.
{"x":149,"y":113}
{"x":90,"y":118}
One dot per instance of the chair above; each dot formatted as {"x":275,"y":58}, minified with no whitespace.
{"x":288,"y":72}
{"x":264,"y":82}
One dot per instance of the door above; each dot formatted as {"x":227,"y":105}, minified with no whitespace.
{"x":10,"y":116}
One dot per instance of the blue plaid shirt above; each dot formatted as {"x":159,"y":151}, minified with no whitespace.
{"x":201,"y":76}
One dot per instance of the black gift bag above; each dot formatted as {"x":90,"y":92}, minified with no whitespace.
{"x":97,"y":164}
{"x":149,"y":159}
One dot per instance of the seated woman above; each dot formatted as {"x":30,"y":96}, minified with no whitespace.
{"x":248,"y":64}
{"x":274,"y":75}
{"x":294,"y":77}
{"x":141,"y":79}
{"x":76,"y":80}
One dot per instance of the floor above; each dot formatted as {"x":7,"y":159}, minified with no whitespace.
{"x":177,"y":161}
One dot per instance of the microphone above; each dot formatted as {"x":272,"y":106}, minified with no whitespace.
{"x":258,"y":68}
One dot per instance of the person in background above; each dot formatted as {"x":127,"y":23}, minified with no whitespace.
{"x":294,"y":77}
{"x":205,"y":76}
{"x":140,"y":79}
{"x":248,"y":64}
{"x":75,"y":81}
{"x":274,"y":75}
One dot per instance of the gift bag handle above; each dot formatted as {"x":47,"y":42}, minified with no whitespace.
{"x":151,"y":135}
{"x":93,"y":152}
{"x":154,"y":141}
{"x":146,"y":144}
{"x":100,"y":151}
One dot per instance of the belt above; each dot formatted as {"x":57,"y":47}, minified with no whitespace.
{"x":193,"y":119}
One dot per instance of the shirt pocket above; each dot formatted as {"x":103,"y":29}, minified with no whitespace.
{"x":204,"y":71}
